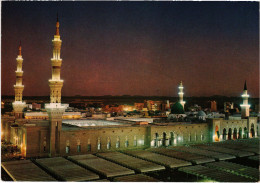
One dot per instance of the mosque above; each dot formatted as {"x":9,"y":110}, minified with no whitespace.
{"x":53,"y":136}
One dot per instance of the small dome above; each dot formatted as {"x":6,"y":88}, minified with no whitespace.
{"x":201,"y":113}
{"x":177,"y":108}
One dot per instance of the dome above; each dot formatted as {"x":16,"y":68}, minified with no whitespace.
{"x":177,"y":108}
{"x":201,"y":113}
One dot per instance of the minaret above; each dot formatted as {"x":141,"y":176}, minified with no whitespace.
{"x":18,"y":104}
{"x":56,"y":83}
{"x":55,"y":109}
{"x":245,"y":106}
{"x":181,"y":95}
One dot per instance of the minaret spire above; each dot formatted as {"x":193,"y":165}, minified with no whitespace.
{"x":20,"y":49}
{"x":245,"y":88}
{"x":57,"y":26}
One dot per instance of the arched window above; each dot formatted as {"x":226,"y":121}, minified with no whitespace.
{"x":224,"y":134}
{"x":156,"y":140}
{"x":171,"y":142}
{"x":108,"y":143}
{"x":229,"y":134}
{"x":245,"y":133}
{"x":235,"y":134}
{"x":67,"y":146}
{"x":78,"y":146}
{"x":126,"y":142}
{"x":177,"y":138}
{"x":135,"y":141}
{"x":44,"y":145}
{"x":240,"y":133}
{"x":202,"y":137}
{"x":118,"y":142}
{"x":99,"y":143}
{"x":89,"y":145}
{"x":142,"y":141}
{"x":164,"y":139}
{"x":252,"y":130}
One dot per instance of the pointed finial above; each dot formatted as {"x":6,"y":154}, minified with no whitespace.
{"x":245,"y":88}
{"x":57,"y":26}
{"x":20,"y":49}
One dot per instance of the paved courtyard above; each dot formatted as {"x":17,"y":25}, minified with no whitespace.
{"x":205,"y":162}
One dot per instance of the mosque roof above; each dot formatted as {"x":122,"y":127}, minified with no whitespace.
{"x":177,"y":108}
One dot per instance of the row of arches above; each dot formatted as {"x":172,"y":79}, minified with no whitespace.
{"x":108,"y":143}
{"x":125,"y":143}
{"x":174,"y":139}
{"x":235,"y":133}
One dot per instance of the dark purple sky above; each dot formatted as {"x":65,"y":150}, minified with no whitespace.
{"x":134,"y":48}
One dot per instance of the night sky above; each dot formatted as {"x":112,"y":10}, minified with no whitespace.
{"x":134,"y":48}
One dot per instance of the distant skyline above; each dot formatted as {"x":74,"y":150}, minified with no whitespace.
{"x":134,"y":48}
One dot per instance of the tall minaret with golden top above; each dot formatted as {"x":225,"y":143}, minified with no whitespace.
{"x":55,"y":109}
{"x":18,"y":104}
{"x":56,"y":83}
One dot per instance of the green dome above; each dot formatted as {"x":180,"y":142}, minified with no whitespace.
{"x":177,"y":108}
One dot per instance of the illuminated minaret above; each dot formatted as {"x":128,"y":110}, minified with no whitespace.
{"x":18,"y":104}
{"x":56,"y":83}
{"x":181,"y":95}
{"x":55,"y":109}
{"x":245,"y":106}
